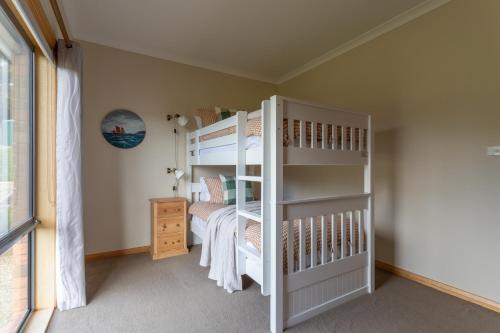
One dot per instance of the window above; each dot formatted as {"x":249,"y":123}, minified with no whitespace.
{"x":16,"y":176}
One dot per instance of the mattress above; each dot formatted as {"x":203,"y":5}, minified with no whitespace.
{"x":251,"y":142}
{"x":201,"y":224}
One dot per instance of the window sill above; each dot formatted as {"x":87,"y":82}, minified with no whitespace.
{"x":38,"y":321}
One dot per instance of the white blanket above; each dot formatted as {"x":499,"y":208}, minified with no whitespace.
{"x":219,"y":246}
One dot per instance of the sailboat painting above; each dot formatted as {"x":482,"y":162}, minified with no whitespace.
{"x":123,"y":129}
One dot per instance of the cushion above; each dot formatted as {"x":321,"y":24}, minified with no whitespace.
{"x":208,"y":116}
{"x":214,"y":186}
{"x":254,"y":127}
{"x":204,"y":193}
{"x":203,"y":209}
{"x":198,"y":122}
{"x":223,"y":113}
{"x":229,"y":190}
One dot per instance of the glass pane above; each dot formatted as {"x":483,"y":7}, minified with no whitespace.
{"x":15,"y":90}
{"x":14,"y":284}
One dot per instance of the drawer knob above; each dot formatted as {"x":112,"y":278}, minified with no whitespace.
{"x":178,"y":224}
{"x":173,"y":242}
{"x":165,"y":243}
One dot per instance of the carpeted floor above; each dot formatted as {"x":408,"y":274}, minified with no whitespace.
{"x":136,"y":294}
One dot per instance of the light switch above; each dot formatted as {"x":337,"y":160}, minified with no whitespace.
{"x":494,"y":151}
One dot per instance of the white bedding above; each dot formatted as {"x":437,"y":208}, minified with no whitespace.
{"x":251,"y":142}
{"x":201,"y":224}
{"x":219,"y":246}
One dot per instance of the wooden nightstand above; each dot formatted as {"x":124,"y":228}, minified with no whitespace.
{"x":168,"y":227}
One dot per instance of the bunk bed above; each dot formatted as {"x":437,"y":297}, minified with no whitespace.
{"x":308,"y":254}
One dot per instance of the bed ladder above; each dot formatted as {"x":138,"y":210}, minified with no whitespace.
{"x":243,"y":215}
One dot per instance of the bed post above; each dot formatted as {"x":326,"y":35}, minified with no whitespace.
{"x":241,"y":221}
{"x":368,"y":188}
{"x":276,"y":210}
{"x":266,"y":198}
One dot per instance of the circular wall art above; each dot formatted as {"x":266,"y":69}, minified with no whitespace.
{"x":123,"y":129}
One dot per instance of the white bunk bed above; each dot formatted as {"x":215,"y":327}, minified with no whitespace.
{"x":324,"y":277}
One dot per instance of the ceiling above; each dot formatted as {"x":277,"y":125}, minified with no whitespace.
{"x":268,"y":40}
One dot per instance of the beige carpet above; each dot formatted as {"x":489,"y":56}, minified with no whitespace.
{"x":136,"y":294}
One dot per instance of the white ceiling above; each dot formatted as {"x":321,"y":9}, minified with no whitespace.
{"x":262,"y":39}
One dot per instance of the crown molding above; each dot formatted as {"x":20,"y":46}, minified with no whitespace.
{"x":394,"y":23}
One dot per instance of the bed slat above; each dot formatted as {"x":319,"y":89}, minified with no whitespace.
{"x":289,"y":254}
{"x":334,"y":237}
{"x":352,"y":138}
{"x":360,"y":231}
{"x":291,"y":134}
{"x":343,"y":236}
{"x":314,"y":243}
{"x":314,"y":137}
{"x":302,"y":245}
{"x":334,"y":137}
{"x":302,"y":137}
{"x":324,"y":132}
{"x":352,"y":249}
{"x":324,"y":241}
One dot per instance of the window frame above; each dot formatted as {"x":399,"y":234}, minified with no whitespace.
{"x":27,"y":228}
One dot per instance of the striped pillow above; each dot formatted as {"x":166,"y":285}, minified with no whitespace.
{"x":208,"y":116}
{"x":214,"y":186}
{"x":223,"y":113}
{"x":229,"y":190}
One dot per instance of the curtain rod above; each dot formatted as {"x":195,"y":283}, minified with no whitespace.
{"x":60,"y":22}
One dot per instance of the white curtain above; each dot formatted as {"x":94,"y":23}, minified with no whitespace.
{"x":70,"y":259}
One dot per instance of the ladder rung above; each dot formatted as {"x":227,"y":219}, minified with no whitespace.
{"x":250,"y":178}
{"x":250,"y":215}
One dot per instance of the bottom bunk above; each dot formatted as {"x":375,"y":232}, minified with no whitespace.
{"x":325,"y":262}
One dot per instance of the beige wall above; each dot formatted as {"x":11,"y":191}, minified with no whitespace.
{"x":118,"y":183}
{"x":433,"y":87}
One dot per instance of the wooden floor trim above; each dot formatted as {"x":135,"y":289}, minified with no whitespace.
{"x":447,"y":289}
{"x":116,"y":253}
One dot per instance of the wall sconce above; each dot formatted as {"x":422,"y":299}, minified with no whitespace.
{"x":178,"y":175}
{"x":182,"y":121}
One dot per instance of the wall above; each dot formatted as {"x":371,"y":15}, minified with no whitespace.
{"x":433,"y":88}
{"x":118,"y":183}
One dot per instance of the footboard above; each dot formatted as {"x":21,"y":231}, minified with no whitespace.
{"x":328,"y":253}
{"x":327,"y":262}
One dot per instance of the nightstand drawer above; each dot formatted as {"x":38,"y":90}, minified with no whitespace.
{"x":170,"y":209}
{"x":171,"y":241}
{"x":170,"y":225}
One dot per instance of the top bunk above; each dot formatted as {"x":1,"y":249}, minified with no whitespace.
{"x":311,"y":134}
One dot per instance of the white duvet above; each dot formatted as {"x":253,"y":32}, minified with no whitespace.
{"x":219,"y":246}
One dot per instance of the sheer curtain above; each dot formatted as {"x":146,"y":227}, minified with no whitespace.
{"x":70,"y":258}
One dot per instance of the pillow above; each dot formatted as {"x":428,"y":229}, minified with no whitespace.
{"x":254,"y":127}
{"x":229,"y":190}
{"x":214,"y":186}
{"x":197,"y":120}
{"x":223,"y":113}
{"x":204,"y":193}
{"x":208,"y":116}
